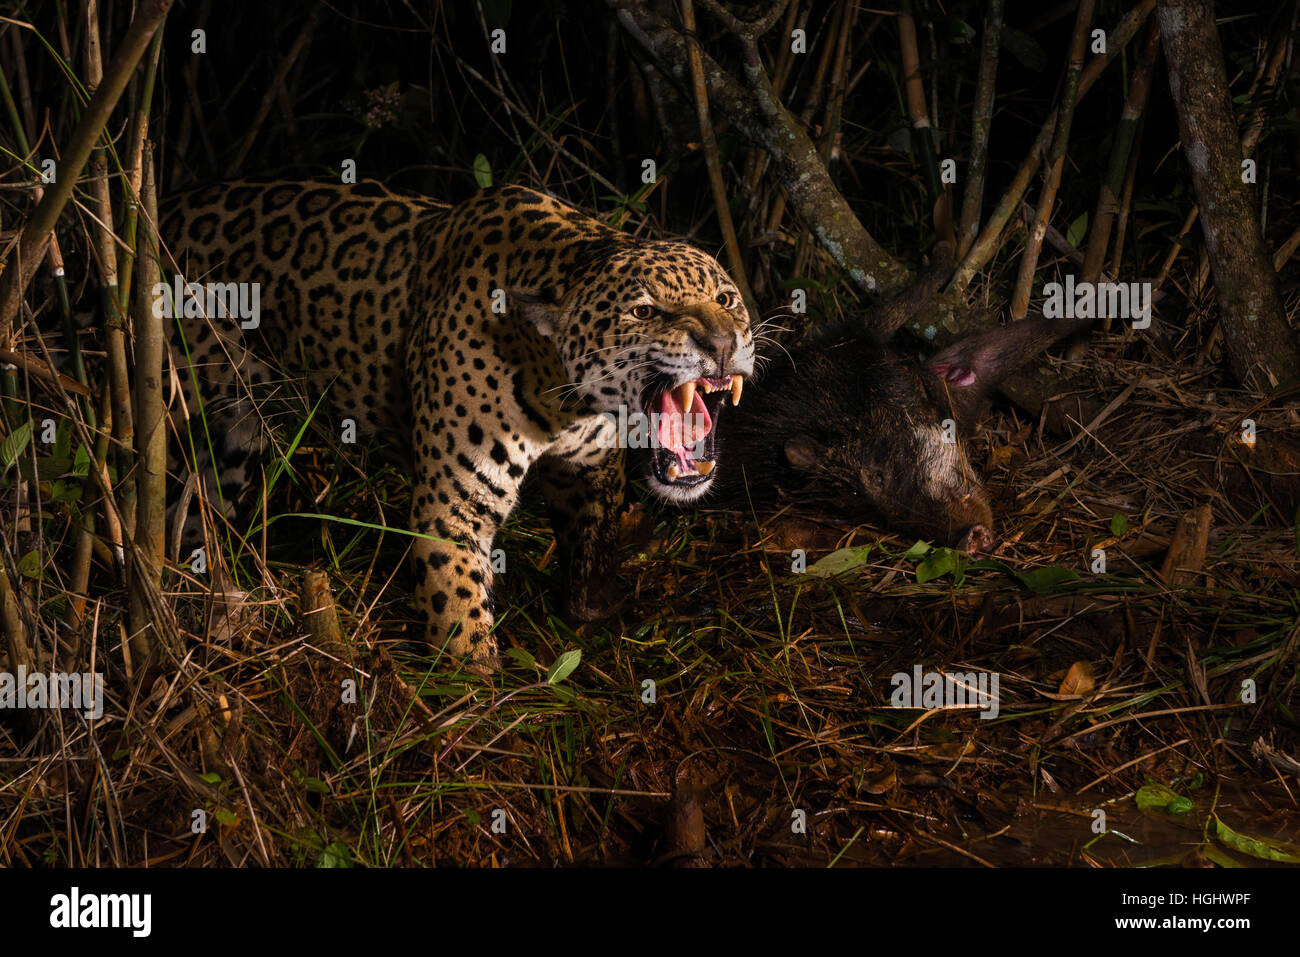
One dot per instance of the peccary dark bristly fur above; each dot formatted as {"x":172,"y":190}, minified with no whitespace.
{"x":851,"y":424}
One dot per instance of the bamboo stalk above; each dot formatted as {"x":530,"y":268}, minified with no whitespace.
{"x":151,"y":436}
{"x":811,"y":104}
{"x":36,"y":234}
{"x":1117,"y":169}
{"x":79,"y":577}
{"x":1117,"y":165}
{"x":973,"y":196}
{"x":135,"y":150}
{"x":710,"y":146}
{"x":115,"y":331}
{"x":1126,"y":203}
{"x":922,"y":132}
{"x":17,"y":642}
{"x":835,"y":98}
{"x":24,"y":87}
{"x":756,"y":162}
{"x":1055,"y":161}
{"x":989,"y":241}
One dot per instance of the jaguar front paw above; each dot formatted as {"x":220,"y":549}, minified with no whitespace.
{"x":596,"y":597}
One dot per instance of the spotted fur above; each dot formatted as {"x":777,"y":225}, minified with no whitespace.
{"x":386,"y":302}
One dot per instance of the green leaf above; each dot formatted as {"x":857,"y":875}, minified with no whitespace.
{"x":1162,"y":800}
{"x":65,"y":492}
{"x":563,"y":666}
{"x":482,"y":171}
{"x":564,"y":693}
{"x":335,"y":855}
{"x":315,"y":785}
{"x":13,"y":446}
{"x":522,"y":656}
{"x":1043,"y":580}
{"x":1078,"y":229}
{"x":838,"y":562}
{"x":959,"y":31}
{"x":916,"y":551}
{"x":307,"y":838}
{"x":1219,"y":857}
{"x":1024,"y":48}
{"x":212,"y":777}
{"x":81,"y":463}
{"x":63,"y":441}
{"x":1118,"y":525}
{"x":939,"y":562}
{"x":30,"y":565}
{"x":1259,"y":847}
{"x":224,"y":817}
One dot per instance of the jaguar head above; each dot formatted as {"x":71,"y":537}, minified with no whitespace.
{"x":656,"y":337}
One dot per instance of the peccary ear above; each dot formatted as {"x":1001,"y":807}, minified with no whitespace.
{"x":541,"y":310}
{"x":804,"y":452}
{"x":971,"y":368}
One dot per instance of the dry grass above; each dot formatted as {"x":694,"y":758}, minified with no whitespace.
{"x":263,"y":738}
{"x":772,"y":689}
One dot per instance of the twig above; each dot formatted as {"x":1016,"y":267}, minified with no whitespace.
{"x":1107,"y":203}
{"x":36,"y":234}
{"x":761,"y":118}
{"x":1055,"y":161}
{"x":710,"y":146}
{"x":989,"y":240}
{"x":268,"y":98}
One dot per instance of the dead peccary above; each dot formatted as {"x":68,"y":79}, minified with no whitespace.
{"x":851,"y":425}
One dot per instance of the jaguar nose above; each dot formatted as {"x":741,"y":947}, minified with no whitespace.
{"x":719,"y":346}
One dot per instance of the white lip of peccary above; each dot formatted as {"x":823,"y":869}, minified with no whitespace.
{"x":850,"y":424}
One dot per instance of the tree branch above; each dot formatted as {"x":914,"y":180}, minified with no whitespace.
{"x":762,"y":119}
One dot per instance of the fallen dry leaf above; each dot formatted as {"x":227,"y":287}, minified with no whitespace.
{"x":1078,"y":680}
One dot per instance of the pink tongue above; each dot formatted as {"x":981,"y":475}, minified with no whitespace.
{"x":678,"y":430}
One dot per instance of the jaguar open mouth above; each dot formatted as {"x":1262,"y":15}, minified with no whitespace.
{"x":683,"y":455}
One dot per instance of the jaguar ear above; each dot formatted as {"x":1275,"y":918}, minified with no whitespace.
{"x":540,"y":309}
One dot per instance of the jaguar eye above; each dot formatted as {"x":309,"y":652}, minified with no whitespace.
{"x":643,"y":311}
{"x":726,"y":299}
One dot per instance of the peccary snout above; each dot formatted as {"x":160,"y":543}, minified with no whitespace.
{"x":849,"y":425}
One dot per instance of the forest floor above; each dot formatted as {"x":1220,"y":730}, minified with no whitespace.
{"x":736,"y":712}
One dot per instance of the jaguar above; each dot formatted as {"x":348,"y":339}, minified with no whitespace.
{"x":489,"y":341}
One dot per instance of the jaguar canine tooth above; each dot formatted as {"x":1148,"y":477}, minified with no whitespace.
{"x":686,"y":392}
{"x":737,"y":384}
{"x":674,"y":473}
{"x":704,"y":468}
